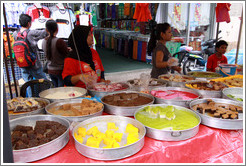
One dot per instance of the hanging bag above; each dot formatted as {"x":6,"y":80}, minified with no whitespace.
{"x":23,"y":53}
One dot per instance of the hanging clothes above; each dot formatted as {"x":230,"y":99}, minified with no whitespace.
{"x":94,"y":14}
{"x":121,"y":10}
{"x":127,"y":9}
{"x":113,"y":11}
{"x":222,"y":12}
{"x":142,"y":12}
{"x":62,"y":17}
{"x":160,"y":14}
{"x":13,"y":12}
{"x":34,"y":12}
{"x":102,"y":7}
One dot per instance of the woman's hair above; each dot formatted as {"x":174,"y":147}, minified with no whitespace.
{"x":51,"y":27}
{"x":80,"y":34}
{"x":156,"y":35}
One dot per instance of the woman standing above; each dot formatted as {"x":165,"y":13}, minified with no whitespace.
{"x":56,"y":51}
{"x":161,"y":57}
{"x":83,"y":66}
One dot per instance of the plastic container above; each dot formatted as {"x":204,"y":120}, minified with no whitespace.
{"x":227,"y":69}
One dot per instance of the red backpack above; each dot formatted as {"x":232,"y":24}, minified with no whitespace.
{"x":23,"y":53}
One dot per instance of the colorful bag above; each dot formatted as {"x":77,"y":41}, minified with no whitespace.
{"x":23,"y":53}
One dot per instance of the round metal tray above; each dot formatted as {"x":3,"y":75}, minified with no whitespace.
{"x":62,"y":89}
{"x":44,"y":150}
{"x":174,"y":83}
{"x":236,"y":91}
{"x":229,"y":124}
{"x":93,"y":92}
{"x":125,"y":111}
{"x":167,"y":135}
{"x":183,"y":103}
{"x":71,"y":118}
{"x":35,"y":112}
{"x":207,"y":73}
{"x":111,"y":153}
{"x":206,"y":93}
{"x":139,"y":88}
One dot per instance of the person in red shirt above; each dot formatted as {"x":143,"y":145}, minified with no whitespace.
{"x":82,"y":57}
{"x":219,"y":57}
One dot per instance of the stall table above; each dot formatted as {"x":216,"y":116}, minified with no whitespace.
{"x":210,"y":145}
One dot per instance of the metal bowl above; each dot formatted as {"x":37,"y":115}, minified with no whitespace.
{"x":229,"y":124}
{"x":93,"y":92}
{"x":167,"y":135}
{"x":125,"y":111}
{"x":71,"y":118}
{"x":205,"y":75}
{"x":44,"y":93}
{"x":44,"y":150}
{"x":183,"y":103}
{"x":174,"y":83}
{"x":150,"y":87}
{"x":206,"y":93}
{"x":35,"y":112}
{"x":236,"y":91}
{"x":111,"y":153}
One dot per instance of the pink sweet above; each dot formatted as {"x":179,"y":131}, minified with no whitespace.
{"x":173,"y":94}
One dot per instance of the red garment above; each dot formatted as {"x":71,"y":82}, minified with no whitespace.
{"x":33,"y":11}
{"x":142,"y":12}
{"x":71,"y":67}
{"x":222,"y":12}
{"x":213,"y":61}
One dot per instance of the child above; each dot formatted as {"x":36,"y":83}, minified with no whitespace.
{"x":219,"y":57}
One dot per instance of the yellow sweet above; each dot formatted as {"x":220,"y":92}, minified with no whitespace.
{"x":79,"y":138}
{"x":106,"y":147}
{"x":118,"y":136}
{"x":108,"y":141}
{"x":131,"y":139}
{"x":116,"y":145}
{"x":133,"y":135}
{"x":109,"y":133}
{"x":111,"y":126}
{"x":82,"y":131}
{"x":100,"y":136}
{"x":131,"y":129}
{"x":93,"y":130}
{"x":93,"y":142}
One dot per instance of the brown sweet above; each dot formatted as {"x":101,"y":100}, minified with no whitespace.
{"x":23,"y":137}
{"x":126,"y":99}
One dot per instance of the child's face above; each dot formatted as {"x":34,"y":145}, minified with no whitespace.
{"x":222,"y":49}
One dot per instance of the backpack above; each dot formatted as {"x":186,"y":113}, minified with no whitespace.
{"x":24,"y":55}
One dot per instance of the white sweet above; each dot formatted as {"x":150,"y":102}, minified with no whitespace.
{"x":64,"y":95}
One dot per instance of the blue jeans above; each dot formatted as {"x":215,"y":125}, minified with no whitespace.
{"x":29,"y":74}
{"x":57,"y":80}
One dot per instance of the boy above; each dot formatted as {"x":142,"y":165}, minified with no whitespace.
{"x":35,"y":71}
{"x":219,"y":57}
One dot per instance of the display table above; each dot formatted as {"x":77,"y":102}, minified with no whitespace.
{"x":210,"y":145}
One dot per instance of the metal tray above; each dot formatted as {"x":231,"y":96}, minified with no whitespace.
{"x":93,"y":92}
{"x":139,"y":88}
{"x":35,"y":112}
{"x":62,"y":89}
{"x":125,"y":111}
{"x":206,"y":93}
{"x":71,"y":118}
{"x":207,"y":73}
{"x":111,"y":153}
{"x":183,"y":103}
{"x":229,"y":124}
{"x":166,"y":135}
{"x":44,"y":150}
{"x":235,"y":91}
{"x":174,"y":83}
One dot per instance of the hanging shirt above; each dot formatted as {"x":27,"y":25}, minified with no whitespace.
{"x":13,"y":12}
{"x":71,"y":67}
{"x":63,"y":20}
{"x":38,"y":23}
{"x":34,"y":12}
{"x":214,"y":61}
{"x":222,"y":12}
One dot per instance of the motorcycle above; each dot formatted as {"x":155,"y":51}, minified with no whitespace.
{"x":190,"y":60}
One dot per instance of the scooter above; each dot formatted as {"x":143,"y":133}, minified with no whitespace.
{"x":190,"y":60}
